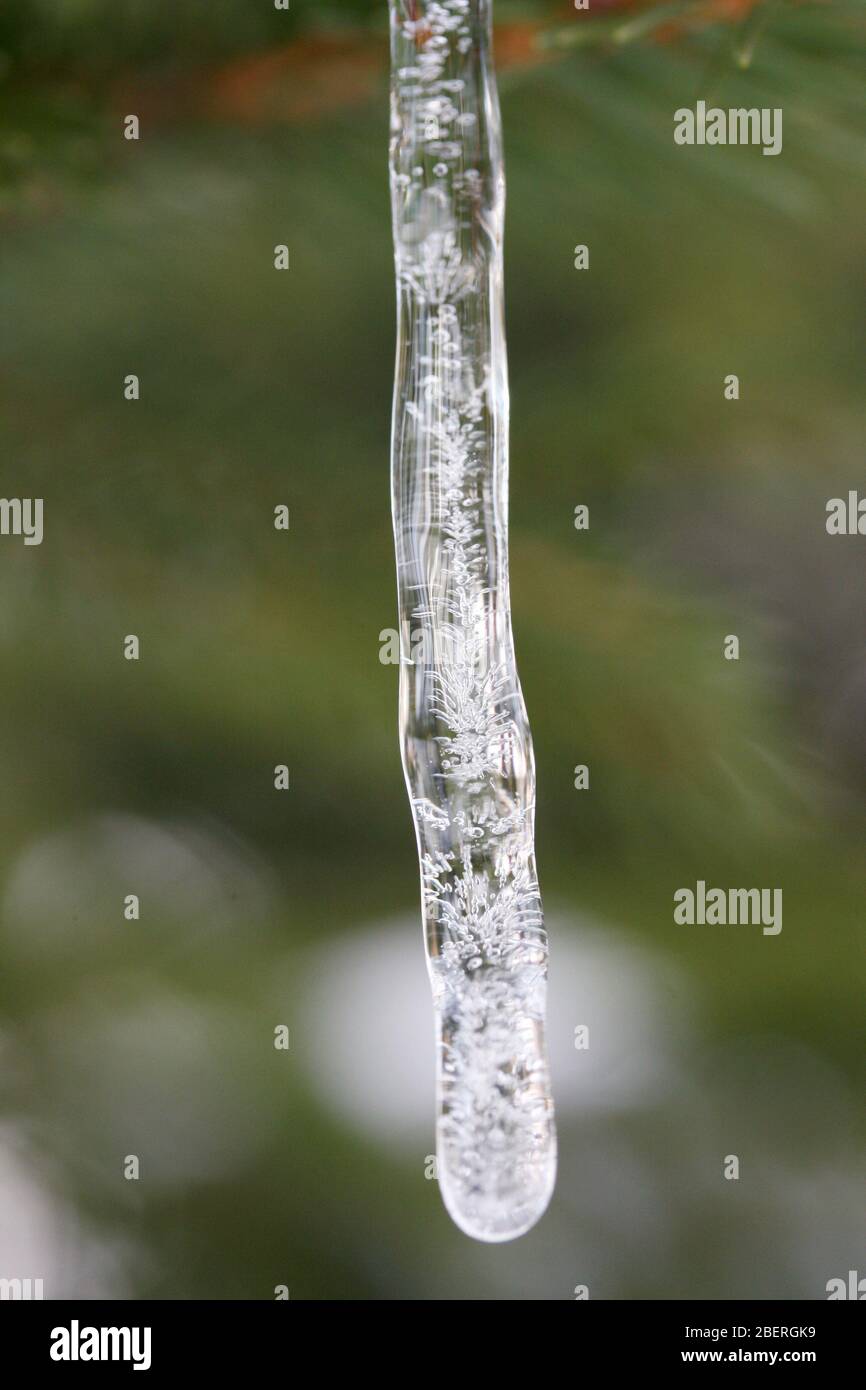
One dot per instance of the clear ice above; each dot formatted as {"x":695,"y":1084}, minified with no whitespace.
{"x":466,"y":746}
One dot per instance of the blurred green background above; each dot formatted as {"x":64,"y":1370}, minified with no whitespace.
{"x":306,"y":1168}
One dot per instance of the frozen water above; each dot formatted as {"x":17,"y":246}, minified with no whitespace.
{"x":466,"y":746}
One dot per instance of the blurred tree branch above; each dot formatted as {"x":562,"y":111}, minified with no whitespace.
{"x":68,"y":72}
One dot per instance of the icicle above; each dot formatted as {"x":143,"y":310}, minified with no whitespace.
{"x":466,"y":746}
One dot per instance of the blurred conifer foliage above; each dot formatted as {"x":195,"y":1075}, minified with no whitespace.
{"x":67,"y":69}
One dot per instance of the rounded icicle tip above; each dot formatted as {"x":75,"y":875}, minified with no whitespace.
{"x":496,"y":1141}
{"x":500,"y":1216}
